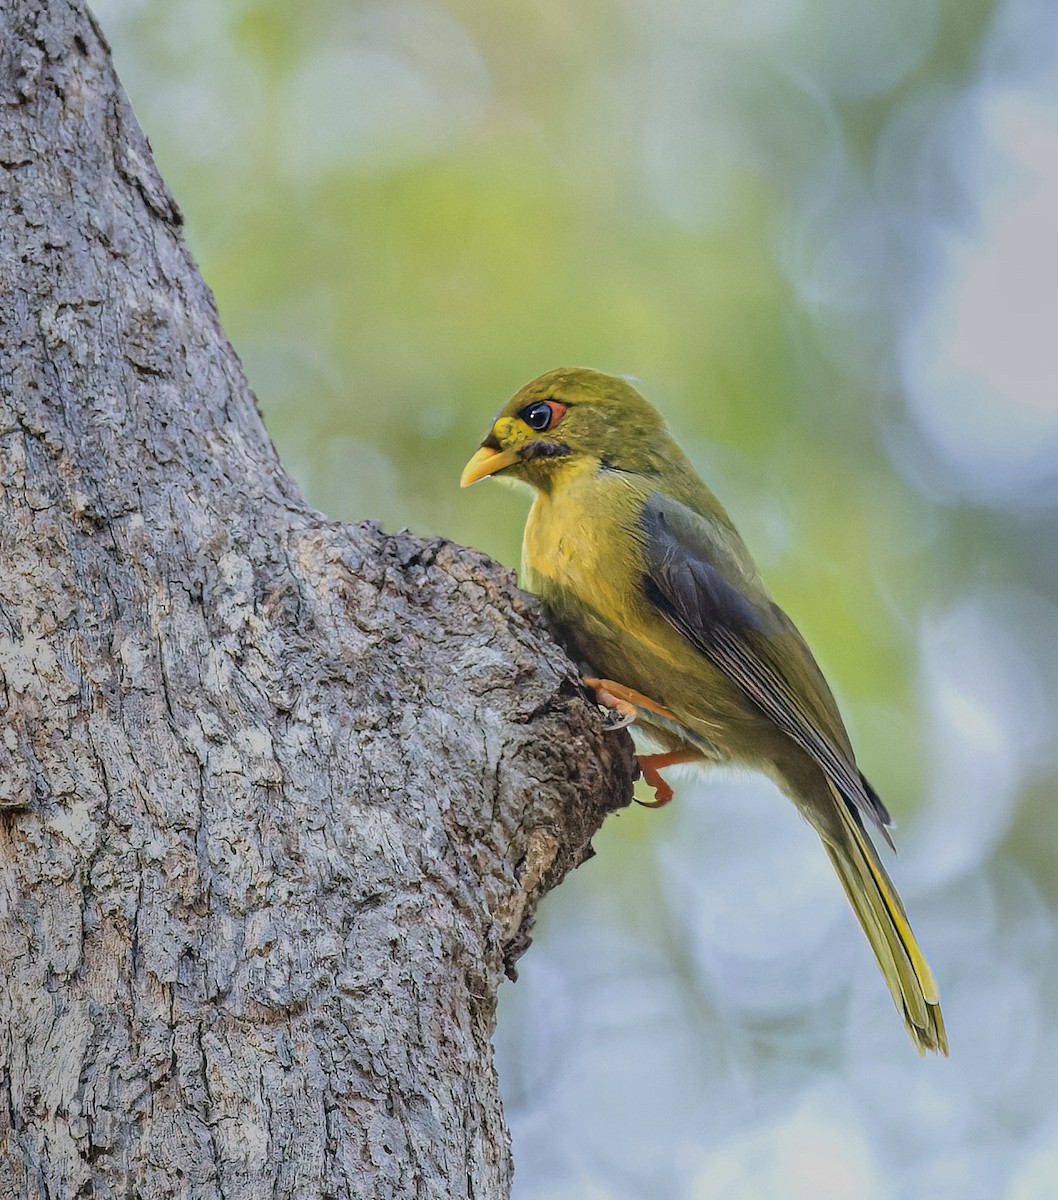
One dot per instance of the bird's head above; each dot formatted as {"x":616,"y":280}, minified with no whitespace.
{"x":565,"y":421}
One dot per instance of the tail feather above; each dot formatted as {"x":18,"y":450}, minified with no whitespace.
{"x":875,"y":901}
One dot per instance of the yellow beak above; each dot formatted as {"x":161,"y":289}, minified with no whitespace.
{"x":487,"y":462}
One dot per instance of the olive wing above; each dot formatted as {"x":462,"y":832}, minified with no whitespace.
{"x":693,"y":581}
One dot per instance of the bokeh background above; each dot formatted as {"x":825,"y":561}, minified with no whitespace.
{"x":823,"y":234}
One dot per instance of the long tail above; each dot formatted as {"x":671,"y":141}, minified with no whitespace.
{"x":875,"y":901}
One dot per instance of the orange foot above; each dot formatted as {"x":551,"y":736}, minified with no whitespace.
{"x":627,"y":702}
{"x":624,"y":701}
{"x":651,"y":764}
{"x":606,"y":697}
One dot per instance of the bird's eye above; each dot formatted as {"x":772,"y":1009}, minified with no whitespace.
{"x":537,"y":416}
{"x":542,"y":415}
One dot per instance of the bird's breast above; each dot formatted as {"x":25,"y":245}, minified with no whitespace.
{"x":583,"y":557}
{"x":585,"y":560}
{"x":585,"y":547}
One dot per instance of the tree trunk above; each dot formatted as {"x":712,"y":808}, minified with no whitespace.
{"x":280,"y":796}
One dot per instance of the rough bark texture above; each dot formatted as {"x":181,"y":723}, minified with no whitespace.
{"x":280,"y":796}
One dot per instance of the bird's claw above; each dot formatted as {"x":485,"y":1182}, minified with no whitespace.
{"x":619,"y":720}
{"x":650,"y":768}
{"x":626,"y":703}
{"x":625,"y":712}
{"x":660,"y":802}
{"x":648,"y":772}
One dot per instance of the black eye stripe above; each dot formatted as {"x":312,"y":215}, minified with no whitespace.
{"x":537,"y":416}
{"x":547,"y":450}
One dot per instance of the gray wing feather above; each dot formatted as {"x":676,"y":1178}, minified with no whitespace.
{"x":686,"y":583}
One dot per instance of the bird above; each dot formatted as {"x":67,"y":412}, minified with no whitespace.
{"x":648,"y":584}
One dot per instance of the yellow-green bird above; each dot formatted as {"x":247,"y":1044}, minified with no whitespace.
{"x":649,"y":584}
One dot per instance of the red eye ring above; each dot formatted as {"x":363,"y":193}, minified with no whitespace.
{"x":542,"y":415}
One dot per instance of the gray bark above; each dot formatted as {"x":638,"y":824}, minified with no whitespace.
{"x":280,"y":796}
